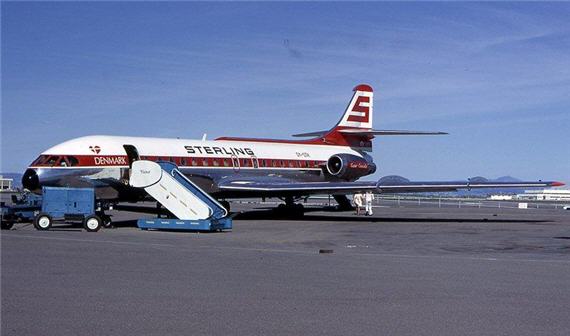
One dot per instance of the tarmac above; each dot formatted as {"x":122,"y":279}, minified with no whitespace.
{"x":404,"y":271}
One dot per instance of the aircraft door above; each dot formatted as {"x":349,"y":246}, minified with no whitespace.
{"x":132,"y":154}
{"x":235,"y":163}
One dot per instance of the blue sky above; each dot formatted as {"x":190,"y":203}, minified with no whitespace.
{"x":496,"y":76}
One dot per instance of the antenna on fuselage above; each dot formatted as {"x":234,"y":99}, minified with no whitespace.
{"x":204,"y":137}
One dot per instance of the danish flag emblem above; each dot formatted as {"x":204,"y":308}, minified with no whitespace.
{"x":361,"y":110}
{"x":95,"y":149}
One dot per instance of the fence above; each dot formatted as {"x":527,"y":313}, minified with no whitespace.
{"x":446,"y":202}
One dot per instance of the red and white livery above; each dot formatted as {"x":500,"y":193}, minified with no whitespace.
{"x":328,"y":162}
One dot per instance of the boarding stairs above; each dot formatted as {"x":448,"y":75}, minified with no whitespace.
{"x":194,"y":208}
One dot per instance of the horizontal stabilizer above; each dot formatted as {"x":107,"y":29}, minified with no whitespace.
{"x":311,"y":134}
{"x":388,"y":132}
{"x":364,"y":132}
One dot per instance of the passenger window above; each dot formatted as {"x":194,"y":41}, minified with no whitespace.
{"x":205,"y":162}
{"x":226,"y":163}
{"x":183,"y":161}
{"x":216,"y":162}
{"x":194,"y":162}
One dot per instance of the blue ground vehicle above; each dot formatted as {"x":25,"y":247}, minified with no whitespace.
{"x":69,"y":204}
{"x":22,"y":209}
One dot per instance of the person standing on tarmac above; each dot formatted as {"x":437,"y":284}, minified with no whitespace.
{"x":368,"y":198}
{"x":357,"y":199}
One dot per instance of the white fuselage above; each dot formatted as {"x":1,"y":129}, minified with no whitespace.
{"x":102,"y":161}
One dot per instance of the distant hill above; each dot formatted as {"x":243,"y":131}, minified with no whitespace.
{"x":395,"y":179}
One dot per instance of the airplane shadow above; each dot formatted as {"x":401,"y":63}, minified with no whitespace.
{"x":270,"y":214}
{"x":334,"y":215}
{"x":125,"y":223}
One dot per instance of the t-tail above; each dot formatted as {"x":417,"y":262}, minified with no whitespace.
{"x":355,"y":127}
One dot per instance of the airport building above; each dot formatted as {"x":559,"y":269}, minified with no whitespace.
{"x":535,"y":195}
{"x":5,"y":183}
{"x":545,"y":195}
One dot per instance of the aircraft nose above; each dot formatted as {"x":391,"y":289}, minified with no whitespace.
{"x":30,"y":180}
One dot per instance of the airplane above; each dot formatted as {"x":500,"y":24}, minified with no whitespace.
{"x":328,"y":162}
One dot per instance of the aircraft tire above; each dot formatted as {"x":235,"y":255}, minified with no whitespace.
{"x":291,"y":211}
{"x":92,"y":223}
{"x":43,"y":222}
{"x":299,"y":210}
{"x":107,"y":221}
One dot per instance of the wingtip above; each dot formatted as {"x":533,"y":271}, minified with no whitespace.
{"x":557,"y":184}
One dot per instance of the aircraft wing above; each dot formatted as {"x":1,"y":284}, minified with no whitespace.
{"x":281,"y":187}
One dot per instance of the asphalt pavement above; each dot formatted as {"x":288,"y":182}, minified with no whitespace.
{"x":403,"y":271}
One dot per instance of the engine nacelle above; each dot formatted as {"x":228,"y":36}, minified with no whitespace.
{"x":349,"y":167}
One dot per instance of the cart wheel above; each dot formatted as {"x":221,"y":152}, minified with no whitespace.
{"x":92,"y":223}
{"x":7,"y":225}
{"x":43,"y":221}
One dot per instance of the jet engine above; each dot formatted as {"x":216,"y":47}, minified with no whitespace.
{"x":349,"y":167}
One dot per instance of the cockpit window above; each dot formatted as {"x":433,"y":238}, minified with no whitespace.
{"x":38,"y":160}
{"x":72,"y":161}
{"x":52,"y":160}
{"x":56,"y":160}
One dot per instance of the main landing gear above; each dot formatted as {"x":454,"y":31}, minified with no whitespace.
{"x":343,"y":203}
{"x":290,"y":209}
{"x":106,"y":220}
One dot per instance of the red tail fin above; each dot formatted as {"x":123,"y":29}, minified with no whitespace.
{"x":356,"y":119}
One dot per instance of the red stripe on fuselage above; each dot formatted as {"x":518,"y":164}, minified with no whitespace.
{"x":182,"y":161}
